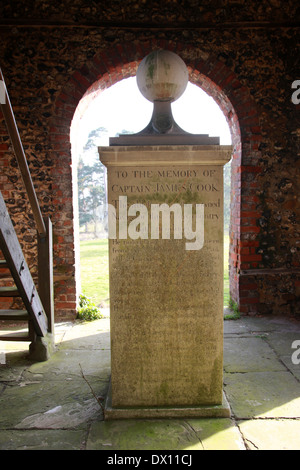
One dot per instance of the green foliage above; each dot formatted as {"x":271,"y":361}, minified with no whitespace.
{"x":235,"y":315}
{"x":124,"y":131}
{"x":87,"y":309}
{"x":91,"y":185}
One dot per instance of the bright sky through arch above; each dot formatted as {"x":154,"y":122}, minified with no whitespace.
{"x":122,"y":107}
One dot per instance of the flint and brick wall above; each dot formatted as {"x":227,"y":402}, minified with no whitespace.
{"x":57,"y":58}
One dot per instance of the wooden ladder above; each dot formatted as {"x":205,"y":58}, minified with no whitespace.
{"x":38,"y":305}
{"x":13,"y":267}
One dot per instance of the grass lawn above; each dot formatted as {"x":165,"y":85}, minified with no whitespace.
{"x":94,"y":271}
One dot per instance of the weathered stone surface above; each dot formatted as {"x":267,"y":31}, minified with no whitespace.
{"x":253,"y":355}
{"x":271,"y":434}
{"x":30,"y":409}
{"x":66,"y":362}
{"x":97,"y":336}
{"x":219,"y":434}
{"x":143,"y":435}
{"x":42,"y":439}
{"x":42,"y":348}
{"x":60,"y":400}
{"x":166,"y":335}
{"x":263,"y":394}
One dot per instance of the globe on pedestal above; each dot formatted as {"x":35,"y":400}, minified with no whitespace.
{"x":162,"y":76}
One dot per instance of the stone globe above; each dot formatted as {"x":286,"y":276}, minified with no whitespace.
{"x":162,"y":76}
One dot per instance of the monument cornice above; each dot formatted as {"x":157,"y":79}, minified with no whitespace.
{"x":165,"y":155}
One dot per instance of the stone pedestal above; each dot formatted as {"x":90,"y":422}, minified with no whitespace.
{"x":166,"y":289}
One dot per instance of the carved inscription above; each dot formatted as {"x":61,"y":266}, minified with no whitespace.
{"x":166,"y":302}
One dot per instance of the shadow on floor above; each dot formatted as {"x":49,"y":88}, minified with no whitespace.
{"x":58,"y":404}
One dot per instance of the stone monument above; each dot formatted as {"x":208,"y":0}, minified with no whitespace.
{"x":165,"y":195}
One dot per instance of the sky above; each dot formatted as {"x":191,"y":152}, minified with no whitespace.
{"x":123,"y":107}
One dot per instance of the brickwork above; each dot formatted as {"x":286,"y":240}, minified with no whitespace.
{"x":52,"y":73}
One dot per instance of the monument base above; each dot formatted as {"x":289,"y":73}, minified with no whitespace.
{"x":206,"y":411}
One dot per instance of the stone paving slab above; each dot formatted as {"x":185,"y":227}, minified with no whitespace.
{"x":43,"y":439}
{"x":261,"y":324}
{"x":221,"y":434}
{"x":96,"y":336}
{"x":269,"y":434}
{"x":283,"y":342}
{"x":191,"y":434}
{"x":142,"y":435}
{"x":50,"y":405}
{"x":70,"y":363}
{"x":294,"y":368}
{"x":16,"y":363}
{"x":250,"y":354}
{"x":263,"y":394}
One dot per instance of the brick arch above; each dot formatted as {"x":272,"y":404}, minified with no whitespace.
{"x":219,"y":81}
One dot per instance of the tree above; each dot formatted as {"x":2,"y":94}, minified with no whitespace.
{"x":91,"y":180}
{"x":124,"y":131}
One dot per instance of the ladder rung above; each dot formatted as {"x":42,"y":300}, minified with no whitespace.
{"x":17,"y":336}
{"x":6,"y":276}
{"x":3,"y":264}
{"x":9,"y":292}
{"x":12,"y":252}
{"x":14,"y":315}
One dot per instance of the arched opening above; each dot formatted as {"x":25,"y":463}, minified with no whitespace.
{"x":220,"y":82}
{"x":122,"y":109}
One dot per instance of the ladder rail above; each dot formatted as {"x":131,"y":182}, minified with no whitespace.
{"x":13,"y":254}
{"x":21,"y":158}
{"x":44,"y":226}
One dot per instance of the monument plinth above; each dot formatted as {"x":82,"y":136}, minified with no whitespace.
{"x":166,"y":276}
{"x":166,"y":294}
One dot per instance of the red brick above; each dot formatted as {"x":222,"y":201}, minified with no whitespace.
{"x":249,"y":300}
{"x":246,"y":229}
{"x":249,"y":258}
{"x":65,"y":305}
{"x":249,"y":286}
